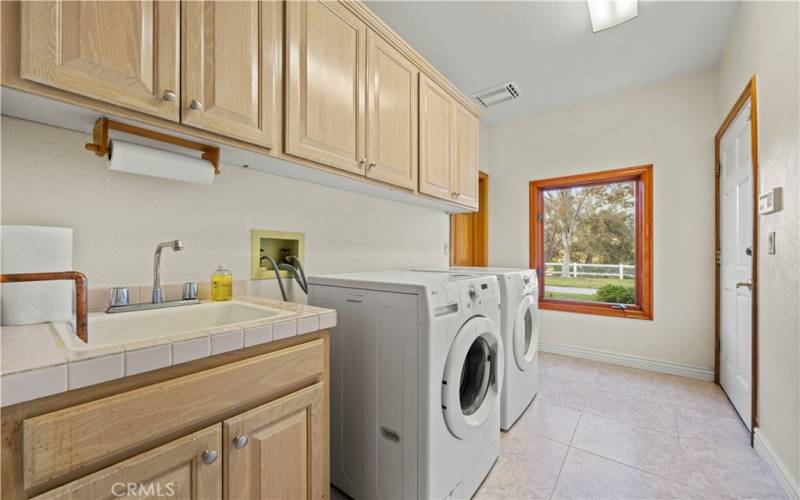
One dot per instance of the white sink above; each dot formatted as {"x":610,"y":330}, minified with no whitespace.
{"x":120,"y":328}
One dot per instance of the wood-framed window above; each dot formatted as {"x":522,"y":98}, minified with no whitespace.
{"x":591,"y":242}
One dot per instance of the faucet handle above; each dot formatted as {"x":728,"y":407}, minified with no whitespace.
{"x":190,"y":290}
{"x":118,"y":297}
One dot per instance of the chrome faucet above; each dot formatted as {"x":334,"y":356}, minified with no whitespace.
{"x":177,"y":246}
{"x":118,"y":298}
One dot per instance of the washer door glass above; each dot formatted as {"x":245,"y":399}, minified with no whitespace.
{"x":475,"y":376}
{"x":526,"y":333}
{"x":472,"y":378}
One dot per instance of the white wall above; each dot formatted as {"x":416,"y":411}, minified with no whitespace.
{"x":48,"y":178}
{"x":764,"y":41}
{"x":670,"y":125}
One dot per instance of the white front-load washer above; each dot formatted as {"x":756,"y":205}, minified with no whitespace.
{"x":519,"y":326}
{"x":416,"y":376}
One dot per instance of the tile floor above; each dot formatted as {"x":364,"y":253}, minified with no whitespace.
{"x":602,"y":431}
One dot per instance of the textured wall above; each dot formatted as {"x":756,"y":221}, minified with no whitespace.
{"x":670,"y":125}
{"x":764,"y":42}
{"x":49,"y":179}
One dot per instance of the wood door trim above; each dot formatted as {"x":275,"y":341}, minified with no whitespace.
{"x":748,"y":94}
{"x":643,"y":176}
{"x":479,"y":221}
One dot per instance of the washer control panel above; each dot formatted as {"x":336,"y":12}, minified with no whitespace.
{"x":478,"y":295}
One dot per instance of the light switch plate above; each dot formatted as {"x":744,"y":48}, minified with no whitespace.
{"x":771,"y":243}
{"x":770,"y":201}
{"x":446,"y":249}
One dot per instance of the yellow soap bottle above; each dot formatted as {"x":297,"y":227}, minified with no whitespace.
{"x":221,"y":283}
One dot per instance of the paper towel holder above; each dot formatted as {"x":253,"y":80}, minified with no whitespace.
{"x":100,"y":143}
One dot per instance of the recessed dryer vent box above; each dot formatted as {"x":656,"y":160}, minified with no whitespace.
{"x":275,"y":244}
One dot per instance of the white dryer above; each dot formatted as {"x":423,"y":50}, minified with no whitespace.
{"x":519,"y":324}
{"x":416,"y":373}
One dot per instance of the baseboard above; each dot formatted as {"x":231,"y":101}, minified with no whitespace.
{"x":775,"y":464}
{"x":614,"y":358}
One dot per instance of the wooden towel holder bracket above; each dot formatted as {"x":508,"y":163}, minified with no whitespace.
{"x":100,"y":144}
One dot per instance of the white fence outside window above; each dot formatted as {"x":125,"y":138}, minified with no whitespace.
{"x":620,"y":271}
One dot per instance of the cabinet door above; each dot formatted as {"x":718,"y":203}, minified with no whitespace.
{"x":123,"y":53}
{"x":325,"y":78}
{"x":178,"y":469}
{"x":231,"y":66}
{"x":466,"y":161}
{"x":436,"y":141}
{"x":391,"y":114}
{"x":279,"y":450}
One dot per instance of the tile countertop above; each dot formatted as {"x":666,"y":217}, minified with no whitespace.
{"x":35,"y":363}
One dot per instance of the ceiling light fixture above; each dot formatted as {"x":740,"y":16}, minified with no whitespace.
{"x":609,"y":13}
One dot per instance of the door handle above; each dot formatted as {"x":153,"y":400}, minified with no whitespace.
{"x":748,"y":284}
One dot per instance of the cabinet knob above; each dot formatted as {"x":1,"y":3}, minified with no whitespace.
{"x":240,"y":442}
{"x":372,"y":164}
{"x":362,"y":163}
{"x":196,"y":105}
{"x":209,"y":457}
{"x":170,"y":96}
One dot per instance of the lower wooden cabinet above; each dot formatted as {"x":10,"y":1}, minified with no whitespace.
{"x":252,"y":426}
{"x":275,"y":450}
{"x":187,"y":468}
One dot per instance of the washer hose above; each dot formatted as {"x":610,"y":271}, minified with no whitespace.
{"x":277,"y":276}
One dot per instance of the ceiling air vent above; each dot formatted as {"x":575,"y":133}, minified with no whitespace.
{"x":497,"y":94}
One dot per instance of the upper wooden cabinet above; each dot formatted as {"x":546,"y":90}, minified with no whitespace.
{"x":326,"y":53}
{"x":125,"y":53}
{"x":323,"y":83}
{"x":448,"y":146}
{"x":465,"y":174}
{"x":181,"y":469}
{"x":232,"y":67}
{"x":278,"y":450}
{"x":436,"y":140}
{"x":391,"y":114}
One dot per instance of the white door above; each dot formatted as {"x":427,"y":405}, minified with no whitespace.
{"x":736,"y":263}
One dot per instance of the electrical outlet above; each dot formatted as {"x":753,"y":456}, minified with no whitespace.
{"x":771,"y":243}
{"x":447,"y":249}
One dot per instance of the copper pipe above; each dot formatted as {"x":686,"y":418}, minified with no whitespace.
{"x":81,"y":283}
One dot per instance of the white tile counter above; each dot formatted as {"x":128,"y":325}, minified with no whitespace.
{"x":35,"y":363}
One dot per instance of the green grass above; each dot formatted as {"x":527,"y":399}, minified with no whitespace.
{"x":570,"y":296}
{"x":586,"y":282}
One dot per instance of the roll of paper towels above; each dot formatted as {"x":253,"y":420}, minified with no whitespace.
{"x":35,"y":249}
{"x":143,"y":160}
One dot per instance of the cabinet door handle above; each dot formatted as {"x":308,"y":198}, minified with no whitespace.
{"x":209,"y":457}
{"x":170,"y":96}
{"x":196,"y":105}
{"x":240,"y":442}
{"x":748,"y":284}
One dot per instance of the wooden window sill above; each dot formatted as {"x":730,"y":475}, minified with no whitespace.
{"x":600,"y":309}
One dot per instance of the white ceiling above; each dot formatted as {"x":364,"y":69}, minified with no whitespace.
{"x":549,"y":50}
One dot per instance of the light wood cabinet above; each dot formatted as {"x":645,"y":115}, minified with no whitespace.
{"x":465,"y":173}
{"x":178,"y":469}
{"x":448,"y":145}
{"x":326,"y":50}
{"x":391,"y":114}
{"x":156,"y":435}
{"x":125,"y":53}
{"x":231,"y":62}
{"x":436,"y":140}
{"x":276,"y":450}
{"x":322,"y":83}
